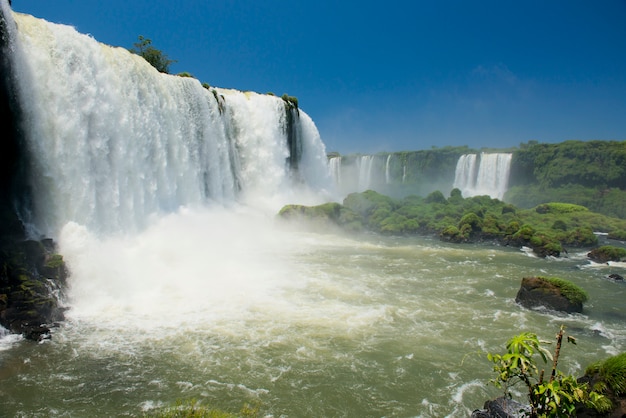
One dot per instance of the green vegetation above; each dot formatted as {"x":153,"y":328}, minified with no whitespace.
{"x":557,"y":396}
{"x":155,"y":57}
{"x":587,"y":163}
{"x":192,"y":409}
{"x":611,"y":371}
{"x":547,"y":229}
{"x":185,"y":74}
{"x":607,"y":253}
{"x":290,"y":100}
{"x":572,"y":292}
{"x":587,"y":173}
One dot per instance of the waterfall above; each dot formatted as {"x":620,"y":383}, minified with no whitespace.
{"x":490,"y":176}
{"x":465,"y":173}
{"x":334,"y":165}
{"x":365,"y":172}
{"x":387,"y":175}
{"x":112,"y":141}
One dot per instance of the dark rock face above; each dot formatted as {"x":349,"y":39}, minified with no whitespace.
{"x":501,"y":408}
{"x":31,"y":281}
{"x":536,"y":292}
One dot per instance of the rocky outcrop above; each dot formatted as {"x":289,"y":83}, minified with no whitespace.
{"x":553,"y":294}
{"x":607,"y":253}
{"x":32,"y":278}
{"x":501,"y":408}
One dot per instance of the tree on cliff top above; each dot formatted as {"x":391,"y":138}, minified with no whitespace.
{"x":155,"y":57}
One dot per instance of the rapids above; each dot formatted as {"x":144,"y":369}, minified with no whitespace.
{"x":229,"y":308}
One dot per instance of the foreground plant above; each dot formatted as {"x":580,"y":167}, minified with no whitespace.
{"x":556,"y":396}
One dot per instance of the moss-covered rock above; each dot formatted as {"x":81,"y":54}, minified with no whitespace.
{"x":32,"y":277}
{"x":607,"y":253}
{"x":327,"y":213}
{"x":552,"y":293}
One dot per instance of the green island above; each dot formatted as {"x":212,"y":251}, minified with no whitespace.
{"x":549,"y":228}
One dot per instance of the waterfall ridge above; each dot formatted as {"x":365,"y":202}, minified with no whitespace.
{"x":113,"y":141}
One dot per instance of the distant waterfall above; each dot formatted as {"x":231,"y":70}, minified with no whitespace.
{"x":487,"y":175}
{"x":113,"y":141}
{"x":365,"y":172}
{"x":334,"y":166}
{"x":387,"y":173}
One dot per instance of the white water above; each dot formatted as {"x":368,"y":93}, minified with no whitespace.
{"x":334,"y":164}
{"x":160,"y":194}
{"x":488,"y":175}
{"x":387,"y":173}
{"x":365,"y":172}
{"x":116,"y":142}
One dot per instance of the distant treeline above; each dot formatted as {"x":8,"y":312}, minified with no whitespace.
{"x":587,"y":173}
{"x":586,"y":163}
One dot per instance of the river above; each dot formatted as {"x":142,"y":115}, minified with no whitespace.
{"x":232,"y":308}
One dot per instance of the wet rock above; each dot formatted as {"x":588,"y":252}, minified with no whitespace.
{"x":538,"y":292}
{"x":501,"y":408}
{"x":32,"y":279}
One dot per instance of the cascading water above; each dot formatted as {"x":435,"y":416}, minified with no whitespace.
{"x":334,"y":165}
{"x":114,"y":141}
{"x":365,"y":172}
{"x":487,"y":175}
{"x":387,"y":174}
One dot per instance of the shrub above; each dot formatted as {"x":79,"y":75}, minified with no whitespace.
{"x":508,"y":208}
{"x":451,"y":233}
{"x":290,"y":100}
{"x":472,"y":220}
{"x":525,"y":232}
{"x":185,"y":74}
{"x":558,"y":207}
{"x":581,"y":237}
{"x":512,"y":227}
{"x":435,"y":197}
{"x":456,"y":197}
{"x":155,"y":57}
{"x":560,"y":225}
{"x":556,"y":397}
{"x":619,"y":235}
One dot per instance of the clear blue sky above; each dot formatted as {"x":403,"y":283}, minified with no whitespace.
{"x":394,"y":75}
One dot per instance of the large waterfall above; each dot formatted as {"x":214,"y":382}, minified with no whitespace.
{"x":487,"y":174}
{"x":114,"y":142}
